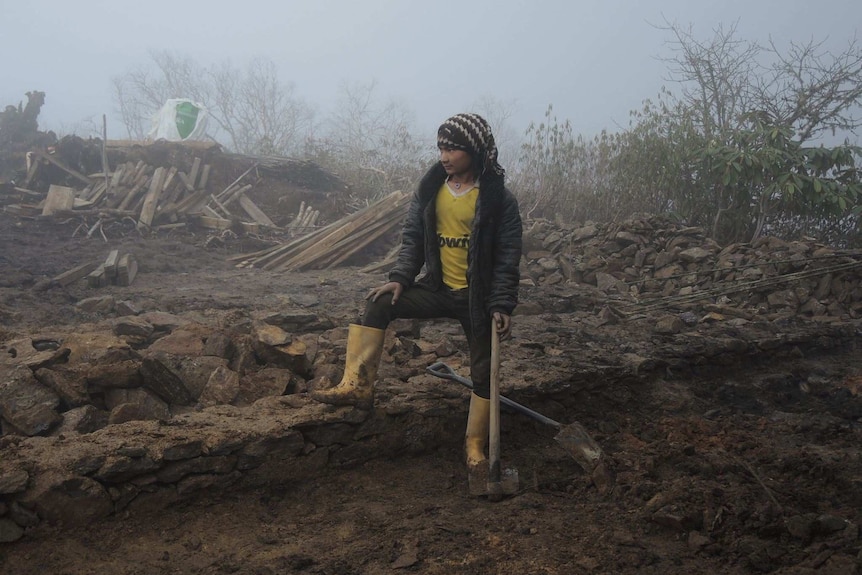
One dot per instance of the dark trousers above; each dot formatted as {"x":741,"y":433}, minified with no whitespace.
{"x":420,"y":303}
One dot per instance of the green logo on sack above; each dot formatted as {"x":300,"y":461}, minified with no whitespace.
{"x":187,"y":118}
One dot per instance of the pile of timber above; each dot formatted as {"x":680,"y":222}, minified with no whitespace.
{"x":332,"y":245}
{"x":119,"y":268}
{"x":154,"y":197}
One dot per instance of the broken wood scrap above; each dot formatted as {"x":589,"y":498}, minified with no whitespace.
{"x":222,"y":194}
{"x":193,"y":173}
{"x":111,"y":263}
{"x":255,"y":212}
{"x":205,"y":176}
{"x":23,"y":210}
{"x":97,"y":278}
{"x":74,"y":274}
{"x":127,"y":269}
{"x":148,"y":209}
{"x":59,"y":198}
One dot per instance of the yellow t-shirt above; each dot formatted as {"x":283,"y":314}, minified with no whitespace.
{"x":454,"y":223}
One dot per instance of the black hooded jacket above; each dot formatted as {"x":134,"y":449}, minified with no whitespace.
{"x":494,"y":254}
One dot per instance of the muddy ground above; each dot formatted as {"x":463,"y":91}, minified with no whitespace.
{"x":727,"y":462}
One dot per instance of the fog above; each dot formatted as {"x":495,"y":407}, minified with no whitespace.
{"x":593,"y":61}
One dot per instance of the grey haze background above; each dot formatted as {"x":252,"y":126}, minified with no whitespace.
{"x":593,"y":60}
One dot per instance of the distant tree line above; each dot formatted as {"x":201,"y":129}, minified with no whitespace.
{"x":745,"y":145}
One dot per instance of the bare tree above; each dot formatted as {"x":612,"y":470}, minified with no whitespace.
{"x":371,"y":144}
{"x":499,"y":113}
{"x":251,"y":108}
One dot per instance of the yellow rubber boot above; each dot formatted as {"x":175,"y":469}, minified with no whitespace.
{"x":477,"y":430}
{"x":364,"y":346}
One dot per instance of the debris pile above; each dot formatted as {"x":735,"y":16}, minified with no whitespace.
{"x":164,"y":186}
{"x":652,"y":263}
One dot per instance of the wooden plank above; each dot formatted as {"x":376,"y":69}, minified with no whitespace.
{"x":111,"y":263}
{"x":127,"y":269}
{"x":255,"y":212}
{"x":83,"y":194}
{"x":211,"y":213}
{"x":74,"y":274}
{"x":96,"y":278}
{"x":59,"y":198}
{"x":170,"y":178}
{"x":148,"y":209}
{"x":186,"y":181}
{"x":205,"y":176}
{"x":97,"y":192}
{"x":31,"y":171}
{"x":334,"y":234}
{"x":23,"y":210}
{"x":118,"y":175}
{"x":193,"y":173}
{"x":214,"y":223}
{"x":132,"y":194}
{"x":235,"y":194}
{"x":27,"y":192}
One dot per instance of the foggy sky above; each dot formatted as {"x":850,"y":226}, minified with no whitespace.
{"x":593,"y":60}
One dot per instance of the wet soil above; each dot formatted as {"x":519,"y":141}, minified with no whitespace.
{"x":746,"y":463}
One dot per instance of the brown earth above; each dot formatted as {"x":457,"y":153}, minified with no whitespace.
{"x":736,"y":447}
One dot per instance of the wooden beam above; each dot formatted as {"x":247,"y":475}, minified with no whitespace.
{"x":74,"y":274}
{"x":59,"y":198}
{"x":255,"y":212}
{"x":127,"y":269}
{"x":148,"y":210}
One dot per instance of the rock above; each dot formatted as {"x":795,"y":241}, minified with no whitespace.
{"x":219,"y":345}
{"x":135,"y":405}
{"x":186,"y":340}
{"x":801,"y":526}
{"x":125,"y":307}
{"x":608,"y":283}
{"x":113,"y":375}
{"x":10,"y":531}
{"x":665,"y":258}
{"x":163,"y":321}
{"x":297,"y":321}
{"x":12,"y":480}
{"x":134,"y":327}
{"x":264,"y":383}
{"x":101,"y":304}
{"x":669,"y":325}
{"x":70,"y":501}
{"x":159,"y":371}
{"x":25,"y":403}
{"x":694,"y":255}
{"x":69,"y":385}
{"x":585,"y":232}
{"x":84,"y":419}
{"x":830,"y":524}
{"x":270,"y":335}
{"x":96,"y":347}
{"x":222,"y":387}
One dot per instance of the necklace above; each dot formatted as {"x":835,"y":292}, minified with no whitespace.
{"x":457,"y":185}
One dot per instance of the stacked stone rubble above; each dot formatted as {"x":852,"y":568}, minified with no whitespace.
{"x":652,"y":263}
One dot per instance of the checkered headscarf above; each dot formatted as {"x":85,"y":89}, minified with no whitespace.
{"x":471,"y":133}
